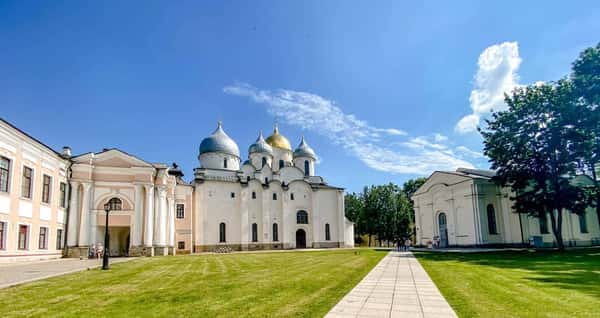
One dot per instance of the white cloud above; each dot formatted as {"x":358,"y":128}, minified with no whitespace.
{"x":380,"y":152}
{"x":440,"y":137}
{"x":469,"y":152}
{"x":496,"y":75}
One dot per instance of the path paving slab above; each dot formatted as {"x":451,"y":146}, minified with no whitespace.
{"x":396,"y":287}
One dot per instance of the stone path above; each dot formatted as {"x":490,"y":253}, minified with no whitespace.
{"x":397,"y":287}
{"x":24,"y":272}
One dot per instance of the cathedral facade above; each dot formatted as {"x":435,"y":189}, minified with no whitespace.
{"x":52,"y":203}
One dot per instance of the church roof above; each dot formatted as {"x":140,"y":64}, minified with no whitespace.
{"x":304,"y":150}
{"x":260,"y":146}
{"x":219,"y":141}
{"x":277,"y":140}
{"x":477,"y":172}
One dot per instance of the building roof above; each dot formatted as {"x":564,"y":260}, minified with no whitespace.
{"x":219,"y":141}
{"x":477,"y":172}
{"x":277,"y":140}
{"x":260,"y":146}
{"x":31,"y":137}
{"x":304,"y":150}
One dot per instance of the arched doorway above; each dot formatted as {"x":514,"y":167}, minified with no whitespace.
{"x":300,"y":239}
{"x":443,"y":230}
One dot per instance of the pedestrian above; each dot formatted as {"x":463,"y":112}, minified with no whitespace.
{"x":407,"y":244}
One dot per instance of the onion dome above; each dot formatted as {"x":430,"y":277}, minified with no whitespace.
{"x":219,"y":142}
{"x":260,"y":146}
{"x":304,"y":150}
{"x":277,"y":140}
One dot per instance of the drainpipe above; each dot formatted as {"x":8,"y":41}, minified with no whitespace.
{"x":68,"y":203}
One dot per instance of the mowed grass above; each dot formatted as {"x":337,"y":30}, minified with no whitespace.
{"x":518,"y":284}
{"x":280,"y":284}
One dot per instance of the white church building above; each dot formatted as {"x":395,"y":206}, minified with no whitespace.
{"x":465,"y":208}
{"x":52,"y":204}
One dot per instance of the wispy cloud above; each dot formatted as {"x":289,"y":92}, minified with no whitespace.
{"x":496,"y":75}
{"x":379,"y":148}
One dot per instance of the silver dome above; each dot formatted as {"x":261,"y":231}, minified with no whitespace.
{"x":260,"y":146}
{"x":304,"y":150}
{"x":219,"y":142}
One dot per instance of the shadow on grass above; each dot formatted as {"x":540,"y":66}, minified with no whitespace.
{"x":573,"y":270}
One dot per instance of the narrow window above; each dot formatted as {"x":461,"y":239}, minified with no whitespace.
{"x":583,"y":224}
{"x":281,"y":164}
{"x":275,"y":233}
{"x":225,"y":163}
{"x":254,"y":232}
{"x":180,"y":211}
{"x":264,"y":161}
{"x":43,"y":242}
{"x":266,"y":180}
{"x":543,"y":224}
{"x":291,"y":196}
{"x":327,"y":232}
{"x":27,"y":182}
{"x":181,"y":245}
{"x":2,"y":235}
{"x":222,"y":233}
{"x":59,"y":235}
{"x":63,"y":194}
{"x":302,"y":217}
{"x":46,"y":186}
{"x":247,"y":179}
{"x":491,"y":216}
{"x":232,"y":195}
{"x":274,"y":196}
{"x":4,"y":174}
{"x":23,"y":233}
{"x":253,"y":195}
{"x":306,"y":168}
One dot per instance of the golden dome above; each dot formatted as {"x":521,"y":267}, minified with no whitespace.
{"x":278,"y":140}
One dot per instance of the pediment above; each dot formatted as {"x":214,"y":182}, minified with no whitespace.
{"x":112,"y":158}
{"x":441,"y":178}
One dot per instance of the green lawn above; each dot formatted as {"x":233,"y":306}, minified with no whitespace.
{"x":288,"y":284}
{"x":518,"y":284}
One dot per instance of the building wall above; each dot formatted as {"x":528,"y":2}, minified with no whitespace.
{"x":15,"y":210}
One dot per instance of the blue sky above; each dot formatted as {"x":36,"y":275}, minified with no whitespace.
{"x":379,"y":89}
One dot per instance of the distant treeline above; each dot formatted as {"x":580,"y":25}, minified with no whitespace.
{"x":383,"y":211}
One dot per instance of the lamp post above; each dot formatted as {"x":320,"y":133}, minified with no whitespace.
{"x":107,"y":209}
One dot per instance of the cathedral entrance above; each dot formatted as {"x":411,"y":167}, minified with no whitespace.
{"x":300,"y":239}
{"x":443,"y":230}
{"x":119,"y":240}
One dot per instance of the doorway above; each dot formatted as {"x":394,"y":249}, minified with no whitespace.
{"x":300,"y":239}
{"x":443,"y":230}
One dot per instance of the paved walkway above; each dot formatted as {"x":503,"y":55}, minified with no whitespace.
{"x":397,"y":287}
{"x":24,"y":272}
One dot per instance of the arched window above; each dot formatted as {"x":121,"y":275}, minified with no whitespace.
{"x":302,"y":217}
{"x":281,"y":164}
{"x":266,"y":180}
{"x":274,"y":196}
{"x":254,"y":232}
{"x":264,"y":161}
{"x":225,"y":163}
{"x":247,"y":178}
{"x":222,"y":233}
{"x":253,"y":195}
{"x":291,"y":196}
{"x":491,"y":218}
{"x":275,"y":233}
{"x":583,"y":224}
{"x":327,"y":232}
{"x":115,"y":204}
{"x":306,"y":168}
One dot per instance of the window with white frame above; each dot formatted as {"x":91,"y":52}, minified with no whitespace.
{"x":180,"y":211}
{"x":43,"y":239}
{"x":4,"y":174}
{"x":46,"y":188}
{"x":27,"y":182}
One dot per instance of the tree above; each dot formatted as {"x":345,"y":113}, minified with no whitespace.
{"x":534,"y":147}
{"x":409,"y":188}
{"x":354,"y":208}
{"x":586,"y":81}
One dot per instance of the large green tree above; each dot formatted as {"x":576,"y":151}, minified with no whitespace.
{"x":534,"y":147}
{"x":586,"y":81}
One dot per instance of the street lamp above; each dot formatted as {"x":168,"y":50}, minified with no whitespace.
{"x":109,"y":206}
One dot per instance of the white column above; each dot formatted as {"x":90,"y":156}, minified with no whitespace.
{"x":136,"y":231}
{"x":171,"y":237}
{"x":162,"y":216}
{"x":149,"y":230}
{"x":73,"y":215}
{"x":84,"y":226}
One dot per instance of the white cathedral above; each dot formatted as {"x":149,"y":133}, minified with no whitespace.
{"x":52,"y":203}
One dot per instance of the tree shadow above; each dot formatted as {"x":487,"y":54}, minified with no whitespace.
{"x":573,"y":270}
